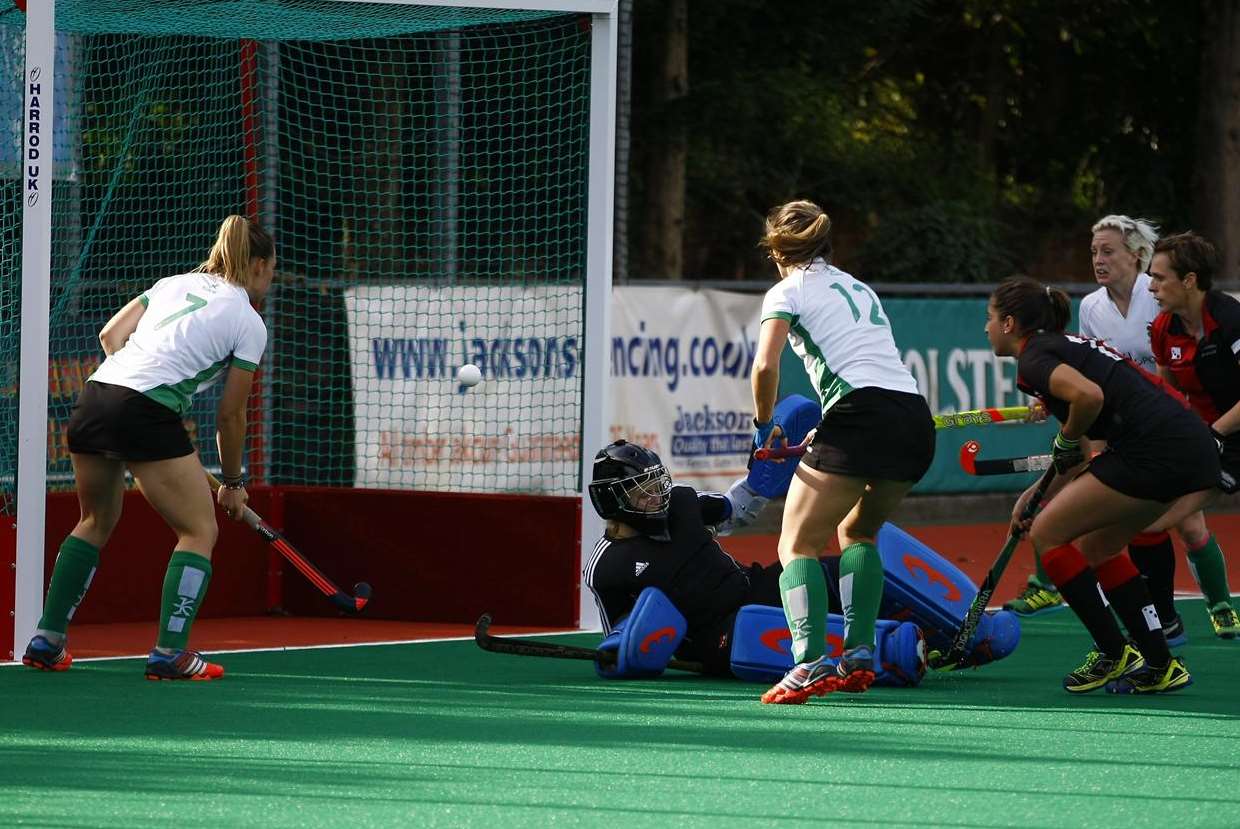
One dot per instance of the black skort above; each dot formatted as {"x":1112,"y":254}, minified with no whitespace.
{"x":875,"y":434}
{"x":1162,"y":461}
{"x":123,"y":424}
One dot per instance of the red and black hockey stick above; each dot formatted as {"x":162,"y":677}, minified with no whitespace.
{"x":533,"y":647}
{"x":970,"y":463}
{"x":968,"y":627}
{"x":349,"y":604}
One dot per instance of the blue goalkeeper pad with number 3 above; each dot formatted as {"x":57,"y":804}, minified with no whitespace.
{"x":795,"y":415}
{"x":921,"y":585}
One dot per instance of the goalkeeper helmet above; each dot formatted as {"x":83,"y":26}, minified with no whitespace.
{"x":630,"y":484}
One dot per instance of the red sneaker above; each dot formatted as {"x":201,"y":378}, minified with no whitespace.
{"x":855,"y":671}
{"x":45,"y":656}
{"x":181,"y":665}
{"x":809,"y":679}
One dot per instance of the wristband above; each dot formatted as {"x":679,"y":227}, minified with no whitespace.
{"x":232,"y":481}
{"x":1065,"y":444}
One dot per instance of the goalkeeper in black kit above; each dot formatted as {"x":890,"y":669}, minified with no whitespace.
{"x":665,"y":587}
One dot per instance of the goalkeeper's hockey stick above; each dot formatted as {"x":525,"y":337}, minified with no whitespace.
{"x":970,"y":463}
{"x":973,"y":417}
{"x":349,"y":604}
{"x":533,"y":647}
{"x":968,"y":627}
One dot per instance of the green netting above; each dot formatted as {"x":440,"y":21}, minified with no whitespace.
{"x":424,"y":172}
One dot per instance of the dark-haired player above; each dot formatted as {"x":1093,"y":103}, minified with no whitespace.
{"x":1195,"y":341}
{"x":1157,"y":452}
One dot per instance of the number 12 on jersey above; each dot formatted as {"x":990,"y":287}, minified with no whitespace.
{"x":876,"y":317}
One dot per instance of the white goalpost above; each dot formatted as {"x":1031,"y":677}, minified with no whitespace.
{"x":514,"y":101}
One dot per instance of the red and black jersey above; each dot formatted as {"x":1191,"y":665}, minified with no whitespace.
{"x":1205,"y":369}
{"x":1133,"y":399}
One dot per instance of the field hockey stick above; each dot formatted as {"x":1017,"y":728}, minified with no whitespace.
{"x":981,"y":417}
{"x":342,"y":600}
{"x":533,"y":647}
{"x":999,"y":466}
{"x":968,"y":627}
{"x":768,"y":453}
{"x":973,"y":417}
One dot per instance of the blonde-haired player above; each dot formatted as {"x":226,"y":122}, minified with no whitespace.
{"x":181,"y":335}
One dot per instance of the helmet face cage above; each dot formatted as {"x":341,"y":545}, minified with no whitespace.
{"x":647,"y":493}
{"x":632,"y":485}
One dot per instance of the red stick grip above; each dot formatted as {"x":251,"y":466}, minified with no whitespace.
{"x":766,"y":454}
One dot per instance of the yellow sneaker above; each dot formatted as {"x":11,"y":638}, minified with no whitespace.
{"x":1153,"y":680}
{"x":1224,"y":620}
{"x":1035,"y":599}
{"x":1098,"y":670}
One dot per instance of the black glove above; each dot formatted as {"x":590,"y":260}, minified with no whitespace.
{"x":1218,"y":439}
{"x":1065,"y":454}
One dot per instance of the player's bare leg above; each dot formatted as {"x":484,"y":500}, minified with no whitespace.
{"x":817,"y":502}
{"x":101,"y":491}
{"x":177,"y":489}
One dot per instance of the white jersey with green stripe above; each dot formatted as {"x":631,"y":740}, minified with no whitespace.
{"x":194,"y":327}
{"x":838,"y":328}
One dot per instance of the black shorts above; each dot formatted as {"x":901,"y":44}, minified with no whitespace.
{"x":1230,"y":461}
{"x":876,"y":434}
{"x":126,"y":425}
{"x":1162,"y":462}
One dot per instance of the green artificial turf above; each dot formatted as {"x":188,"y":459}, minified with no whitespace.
{"x":443,"y":734}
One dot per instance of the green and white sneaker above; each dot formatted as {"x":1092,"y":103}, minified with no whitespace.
{"x":1036,"y":598}
{"x":1098,"y":670}
{"x":1224,"y":620}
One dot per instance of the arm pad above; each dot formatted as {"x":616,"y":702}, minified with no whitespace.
{"x":645,"y":640}
{"x":746,"y":504}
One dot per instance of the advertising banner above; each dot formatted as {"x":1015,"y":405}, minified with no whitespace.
{"x":418,"y":428}
{"x":680,"y":363}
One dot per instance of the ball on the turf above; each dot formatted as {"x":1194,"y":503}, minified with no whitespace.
{"x":469,"y":375}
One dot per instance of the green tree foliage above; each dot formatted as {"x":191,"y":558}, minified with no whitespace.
{"x":950,"y":140}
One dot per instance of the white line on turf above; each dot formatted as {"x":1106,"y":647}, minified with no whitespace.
{"x":143,"y":655}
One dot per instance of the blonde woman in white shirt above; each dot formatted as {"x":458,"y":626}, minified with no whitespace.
{"x":180,"y":336}
{"x":875,"y":441}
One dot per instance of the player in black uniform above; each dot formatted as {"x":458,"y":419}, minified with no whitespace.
{"x":661,"y":535}
{"x":1157,"y":453}
{"x":1195,"y":341}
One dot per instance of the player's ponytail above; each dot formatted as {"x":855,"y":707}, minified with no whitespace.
{"x":239,"y":240}
{"x":796,"y":233}
{"x":1034,"y":306}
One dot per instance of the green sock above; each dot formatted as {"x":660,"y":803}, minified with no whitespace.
{"x":861,"y":590}
{"x":804,"y":591}
{"x":1040,"y":574}
{"x":185,"y":584}
{"x":75,"y":567}
{"x":1210,"y":570}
